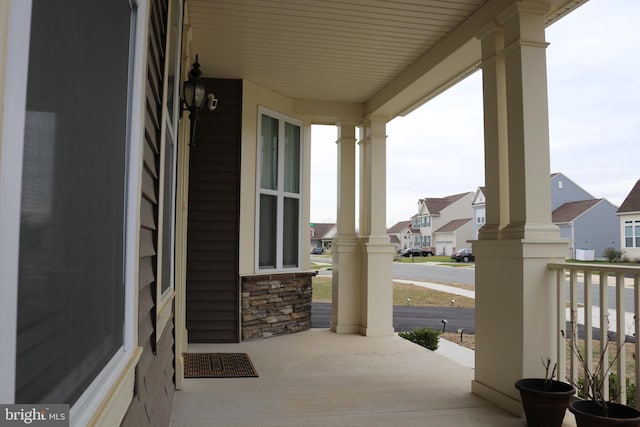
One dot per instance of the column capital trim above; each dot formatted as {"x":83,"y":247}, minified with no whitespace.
{"x":524,"y":43}
{"x":492,"y":60}
{"x":346,"y":139}
{"x":373,"y":118}
{"x":346,"y":131}
{"x":524,"y":7}
{"x":488,"y":29}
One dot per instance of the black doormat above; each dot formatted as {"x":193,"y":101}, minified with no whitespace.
{"x":218,"y":365}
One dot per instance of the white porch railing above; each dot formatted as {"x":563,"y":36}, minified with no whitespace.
{"x":614,"y":321}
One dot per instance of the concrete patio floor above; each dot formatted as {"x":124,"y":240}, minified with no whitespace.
{"x":318,"y":378}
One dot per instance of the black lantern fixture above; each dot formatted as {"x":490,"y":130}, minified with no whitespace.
{"x":193,"y":92}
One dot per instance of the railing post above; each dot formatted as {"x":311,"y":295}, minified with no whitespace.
{"x":621,"y":368}
{"x":604,"y":332}
{"x":588,"y":322}
{"x":562,"y":323}
{"x":573,"y":305}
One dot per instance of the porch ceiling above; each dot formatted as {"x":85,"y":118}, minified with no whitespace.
{"x":388,"y":56}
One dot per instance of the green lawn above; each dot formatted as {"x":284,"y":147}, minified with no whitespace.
{"x":418,"y":296}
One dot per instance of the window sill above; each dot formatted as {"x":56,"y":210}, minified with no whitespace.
{"x":107,"y":399}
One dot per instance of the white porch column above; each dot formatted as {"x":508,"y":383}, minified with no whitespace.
{"x":496,"y":162}
{"x":528,"y":122}
{"x":376,"y":315}
{"x":347,"y":275}
{"x":515,"y":292}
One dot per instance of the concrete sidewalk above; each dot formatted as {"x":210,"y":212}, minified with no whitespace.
{"x":459,"y":354}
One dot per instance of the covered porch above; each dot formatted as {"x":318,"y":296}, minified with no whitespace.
{"x":319,"y":378}
{"x":358,"y":66}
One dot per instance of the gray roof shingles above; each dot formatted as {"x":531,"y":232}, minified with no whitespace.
{"x":572,"y":210}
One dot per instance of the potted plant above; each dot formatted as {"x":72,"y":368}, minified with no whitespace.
{"x":545,"y":400}
{"x":595,"y":410}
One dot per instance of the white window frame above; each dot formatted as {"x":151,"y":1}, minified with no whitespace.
{"x":11,"y":148}
{"x":279,"y":192}
{"x":169,"y":124}
{"x":634,"y":236}
{"x":11,"y":156}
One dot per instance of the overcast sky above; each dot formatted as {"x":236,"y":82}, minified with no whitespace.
{"x":594,"y":116}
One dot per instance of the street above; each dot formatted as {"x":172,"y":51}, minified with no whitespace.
{"x":425,"y":271}
{"x":432,"y":272}
{"x":406,"y":318}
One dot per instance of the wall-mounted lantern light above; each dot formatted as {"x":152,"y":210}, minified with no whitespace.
{"x":193,"y":91}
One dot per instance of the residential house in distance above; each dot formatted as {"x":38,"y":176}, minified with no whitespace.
{"x":436,"y":212}
{"x":479,"y":211}
{"x":629,"y":217}
{"x":564,"y":190}
{"x":400,"y":235}
{"x":321,"y":235}
{"x":454,"y":235}
{"x":589,"y":224}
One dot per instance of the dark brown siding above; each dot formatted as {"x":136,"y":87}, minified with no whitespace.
{"x":154,"y":386}
{"x":212,"y":242}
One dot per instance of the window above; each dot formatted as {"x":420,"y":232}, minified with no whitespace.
{"x":279,"y":196}
{"x":71,"y":284}
{"x":632,"y":234}
{"x":168,"y":155}
{"x":421,"y":222}
{"x":480,"y":216}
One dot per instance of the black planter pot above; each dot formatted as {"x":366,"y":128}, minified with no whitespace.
{"x":589,"y":414}
{"x":544,"y":404}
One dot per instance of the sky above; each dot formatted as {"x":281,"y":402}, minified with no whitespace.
{"x":593,"y":73}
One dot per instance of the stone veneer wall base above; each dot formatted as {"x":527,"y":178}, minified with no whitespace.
{"x":276,"y":304}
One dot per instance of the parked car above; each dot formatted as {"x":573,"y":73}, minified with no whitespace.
{"x":463,"y":255}
{"x":317,"y":251}
{"x":428,"y":251}
{"x":416,"y":252}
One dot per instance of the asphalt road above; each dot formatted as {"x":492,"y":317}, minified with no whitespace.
{"x":425,"y":271}
{"x":432,"y":272}
{"x":406,"y":317}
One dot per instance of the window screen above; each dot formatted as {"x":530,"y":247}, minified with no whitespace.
{"x":71,"y":285}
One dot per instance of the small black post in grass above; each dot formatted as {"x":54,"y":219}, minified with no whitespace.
{"x":444,"y":324}
{"x":460,"y":331}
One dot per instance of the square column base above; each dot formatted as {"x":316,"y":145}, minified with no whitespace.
{"x":515,"y":314}
{"x":346,"y":285}
{"x":376,"y":318}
